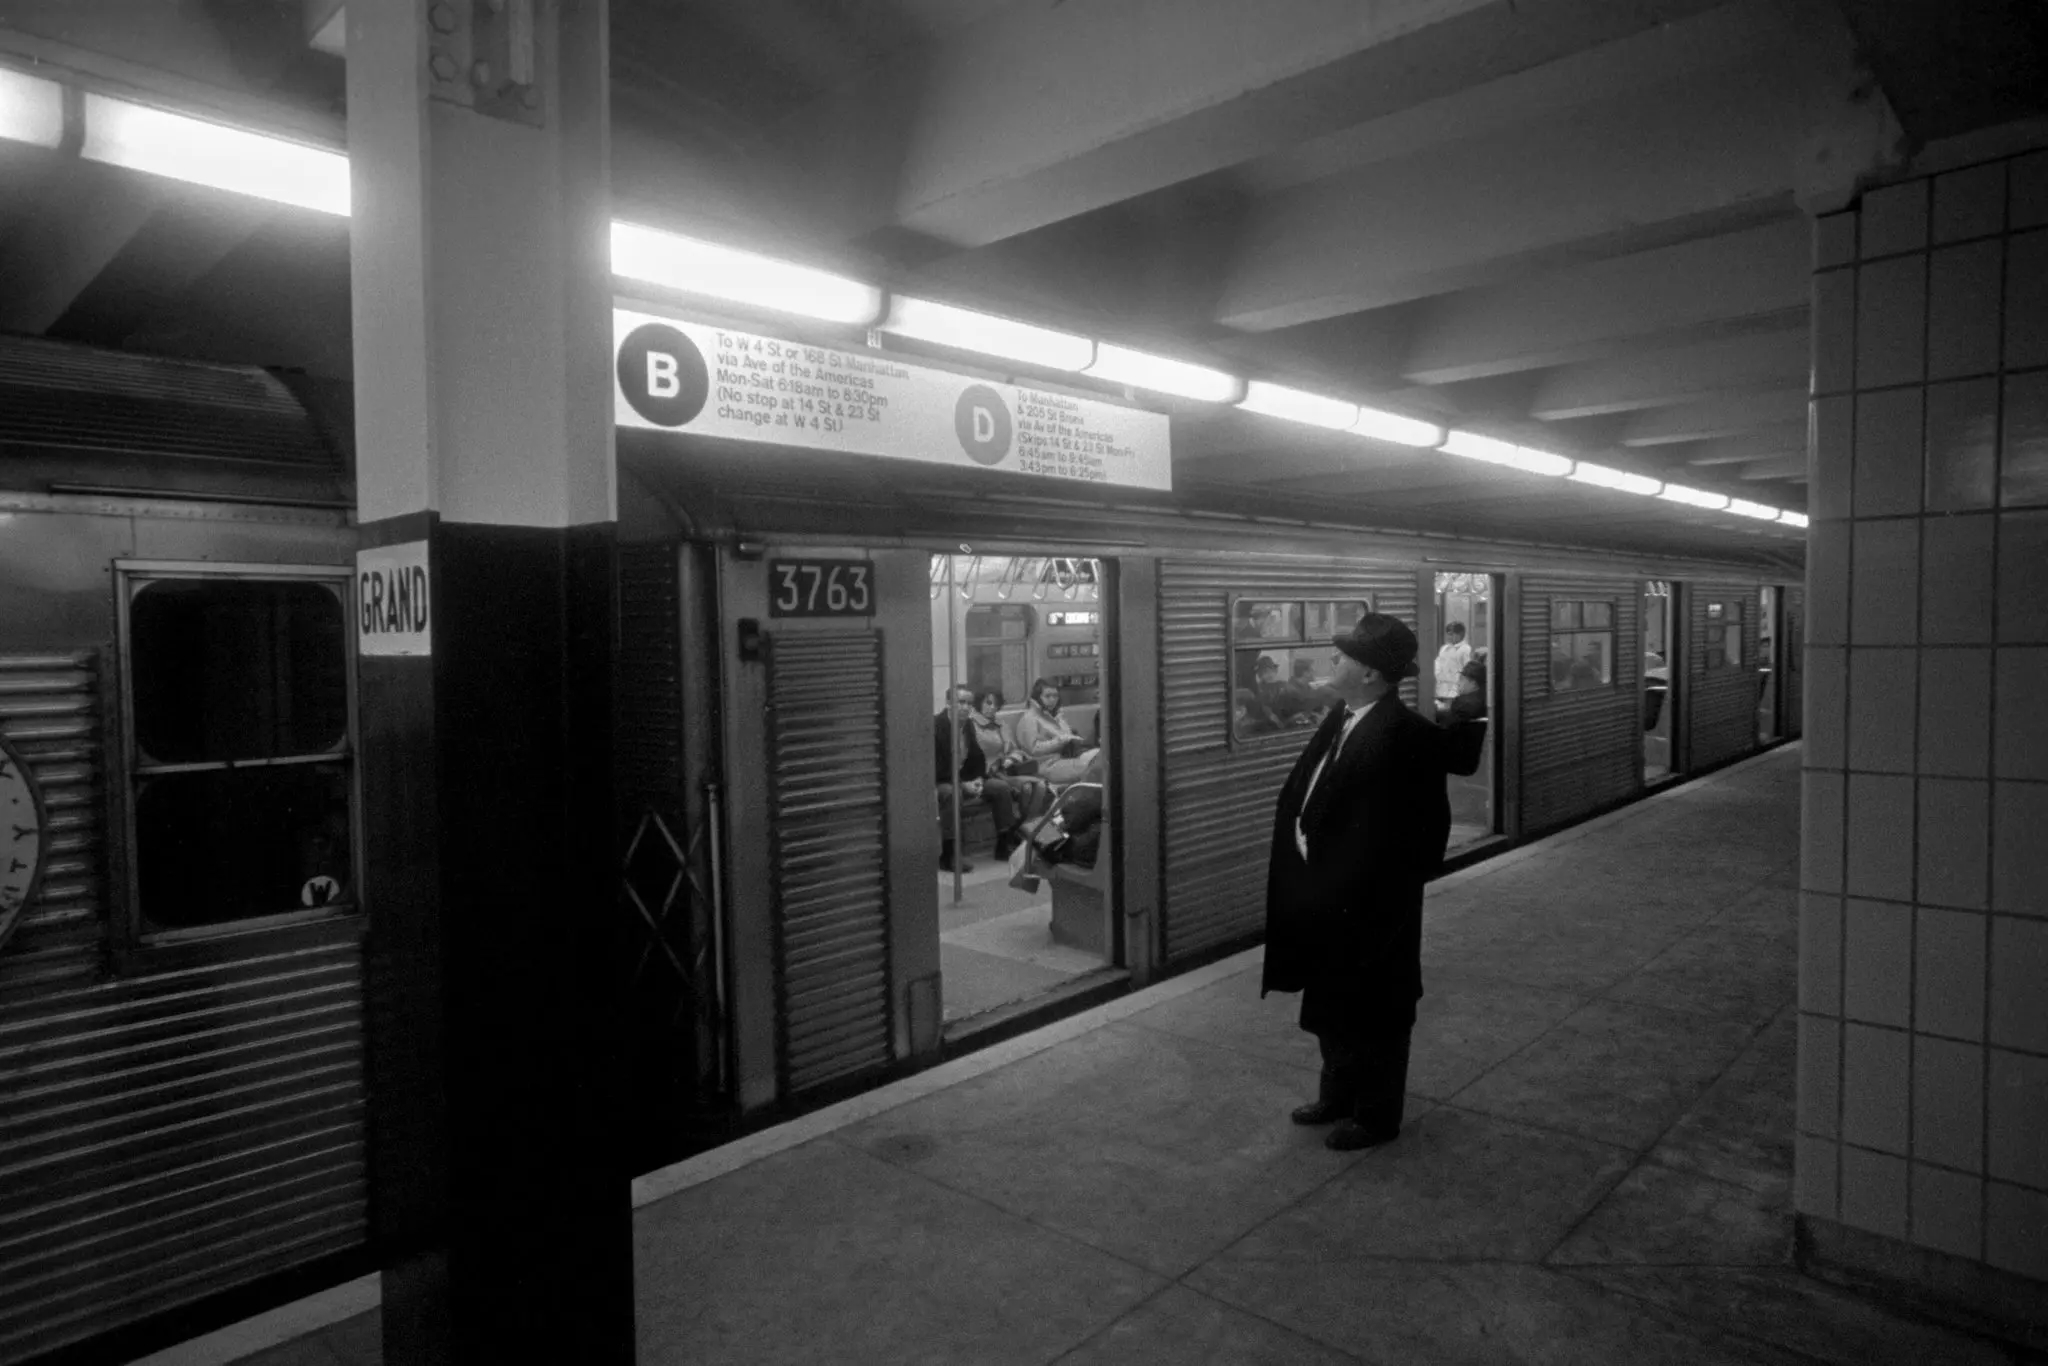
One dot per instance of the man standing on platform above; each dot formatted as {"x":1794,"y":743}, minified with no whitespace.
{"x":1361,"y":827}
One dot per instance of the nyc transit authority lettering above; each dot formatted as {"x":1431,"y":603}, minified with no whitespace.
{"x":674,"y":375}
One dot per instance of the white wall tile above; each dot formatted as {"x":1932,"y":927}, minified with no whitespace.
{"x":1962,"y":310}
{"x":2019,"y":848}
{"x":1826,"y":704}
{"x":1874,"y":1192}
{"x":1879,"y":811}
{"x":1820,"y":831}
{"x":1877,"y":962}
{"x":2019,"y":1119}
{"x":1894,"y":219}
{"x":1955,"y":564}
{"x":1948,"y":1212}
{"x":1884,"y":589}
{"x":1875,"y":1082}
{"x":1834,"y":332}
{"x":1948,"y":973}
{"x":2023,"y":441}
{"x":1948,"y":1103}
{"x":1831,"y":437}
{"x":2019,"y":983}
{"x":1816,"y":1164}
{"x":1820,"y":954}
{"x":1888,"y":465}
{"x":2021,"y":747}
{"x":1883,"y":684}
{"x":2023,"y":578}
{"x":1955,"y":713}
{"x":2016,"y":1230}
{"x":1891,"y":321}
{"x":2026,"y":301}
{"x":2029,"y":180}
{"x":1969,"y":203}
{"x":1962,"y":445}
{"x":1827,"y":583}
{"x":1820,"y":1079}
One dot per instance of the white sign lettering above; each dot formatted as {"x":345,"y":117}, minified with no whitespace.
{"x":681,"y":376}
{"x":392,"y":607}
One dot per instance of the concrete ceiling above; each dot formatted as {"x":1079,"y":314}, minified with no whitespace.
{"x":1577,"y":223}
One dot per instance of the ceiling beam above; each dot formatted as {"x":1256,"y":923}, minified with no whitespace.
{"x":1757,"y":277}
{"x":1043,"y":112}
{"x":1758,"y":444}
{"x":1777,"y":467}
{"x":1693,"y":157}
{"x":1721,"y":415}
{"x":87,"y":216}
{"x":1660,"y":377}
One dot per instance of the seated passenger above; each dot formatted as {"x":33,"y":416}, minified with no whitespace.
{"x":1047,"y":737}
{"x":1005,"y":759}
{"x":1250,"y":716}
{"x":952,"y":731}
{"x":1073,"y":833}
{"x":1464,"y":721}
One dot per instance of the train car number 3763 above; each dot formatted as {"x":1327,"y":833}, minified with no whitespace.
{"x":820,"y":588}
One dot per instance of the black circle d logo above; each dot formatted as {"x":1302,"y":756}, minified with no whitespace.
{"x":982,"y":421}
{"x":662,"y":374}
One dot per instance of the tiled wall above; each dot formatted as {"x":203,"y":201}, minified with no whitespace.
{"x":1923,"y":1070}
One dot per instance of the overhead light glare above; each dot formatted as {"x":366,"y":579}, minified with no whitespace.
{"x":1742,"y":507}
{"x":1473,"y":446}
{"x":945,"y":325}
{"x":1691,"y":497}
{"x":1586,"y":472}
{"x":213,"y":154}
{"x":1797,"y":519}
{"x":1140,"y":370}
{"x":741,"y":277}
{"x":1402,"y":431}
{"x":31,"y":109}
{"x":1274,"y":400}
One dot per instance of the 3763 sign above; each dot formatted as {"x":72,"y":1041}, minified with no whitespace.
{"x":820,"y":588}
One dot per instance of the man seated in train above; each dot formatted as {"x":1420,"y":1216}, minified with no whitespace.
{"x":961,"y":766}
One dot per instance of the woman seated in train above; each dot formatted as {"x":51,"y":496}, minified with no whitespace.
{"x":1004,"y":758}
{"x":1048,"y":738}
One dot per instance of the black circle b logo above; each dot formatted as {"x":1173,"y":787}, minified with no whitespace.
{"x":662,"y":374}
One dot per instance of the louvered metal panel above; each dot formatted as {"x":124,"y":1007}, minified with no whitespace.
{"x":175,"y":1133}
{"x":1217,"y":798}
{"x":64,"y":397}
{"x":830,"y":843}
{"x":1580,"y":750}
{"x":50,"y":713}
{"x":1722,"y":701}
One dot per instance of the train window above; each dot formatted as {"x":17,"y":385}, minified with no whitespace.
{"x":1724,"y":635}
{"x":1281,"y":663}
{"x":239,"y":748}
{"x":999,"y":648}
{"x":1581,"y":644}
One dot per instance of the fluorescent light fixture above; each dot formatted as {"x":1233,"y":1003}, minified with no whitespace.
{"x":31,"y":109}
{"x":213,"y":154}
{"x":1475,"y":447}
{"x":1797,"y":519}
{"x":1742,"y":507}
{"x":1691,"y":497}
{"x":741,"y":277}
{"x":1586,"y":472}
{"x":1402,"y":431}
{"x":945,"y":325}
{"x":1274,"y":400}
{"x":1121,"y":365}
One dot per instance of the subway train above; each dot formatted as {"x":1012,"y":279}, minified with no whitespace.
{"x":183,"y":1080}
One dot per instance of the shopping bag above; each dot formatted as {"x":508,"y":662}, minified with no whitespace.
{"x":1024,"y":867}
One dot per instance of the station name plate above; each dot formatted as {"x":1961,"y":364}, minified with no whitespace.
{"x":678,"y":376}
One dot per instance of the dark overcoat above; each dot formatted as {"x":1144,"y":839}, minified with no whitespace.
{"x":1345,"y":924}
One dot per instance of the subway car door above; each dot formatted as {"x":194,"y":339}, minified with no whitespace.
{"x":1792,"y":697}
{"x":825,"y":675}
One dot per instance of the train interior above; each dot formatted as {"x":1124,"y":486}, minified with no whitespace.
{"x":1024,"y":879}
{"x":1766,"y":665}
{"x":1657,"y":674}
{"x":1464,"y":665}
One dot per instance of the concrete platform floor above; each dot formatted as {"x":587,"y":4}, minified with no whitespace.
{"x":1596,"y":1166}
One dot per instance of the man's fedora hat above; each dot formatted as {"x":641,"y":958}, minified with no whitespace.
{"x":1381,"y":642}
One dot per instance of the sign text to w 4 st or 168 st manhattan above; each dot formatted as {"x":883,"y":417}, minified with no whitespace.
{"x":714,"y":381}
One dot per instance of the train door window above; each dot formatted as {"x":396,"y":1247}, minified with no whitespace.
{"x":1657,"y":681}
{"x":1020,"y":653}
{"x":1724,"y":634}
{"x":1465,"y":685}
{"x":240,"y":765}
{"x":1581,"y":644}
{"x":1766,"y":662}
{"x":1281,"y":660}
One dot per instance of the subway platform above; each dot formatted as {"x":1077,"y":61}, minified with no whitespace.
{"x":1596,"y":1167}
